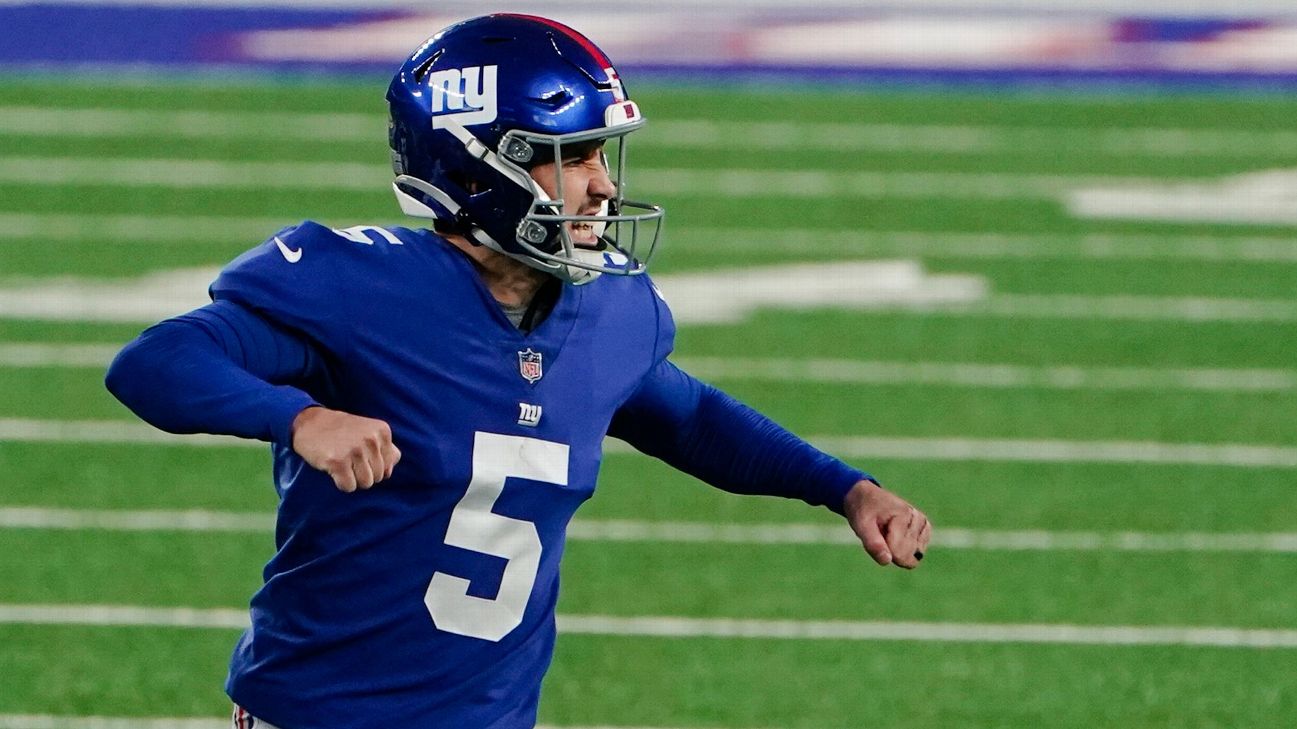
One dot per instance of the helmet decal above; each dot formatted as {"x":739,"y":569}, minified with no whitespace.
{"x":618,"y":91}
{"x":453,"y":89}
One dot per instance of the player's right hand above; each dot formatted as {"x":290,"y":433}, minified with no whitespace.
{"x":356,"y":452}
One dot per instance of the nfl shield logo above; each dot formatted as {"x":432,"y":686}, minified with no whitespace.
{"x":529,"y":365}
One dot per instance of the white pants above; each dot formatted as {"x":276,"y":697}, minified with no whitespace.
{"x":243,"y":720}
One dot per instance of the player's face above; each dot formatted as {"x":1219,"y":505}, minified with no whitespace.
{"x":586,"y":186}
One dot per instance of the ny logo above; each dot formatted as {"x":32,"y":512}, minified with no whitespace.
{"x":528,"y":414}
{"x":471,"y":88}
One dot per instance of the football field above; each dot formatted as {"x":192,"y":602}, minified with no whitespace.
{"x":1063,"y":323}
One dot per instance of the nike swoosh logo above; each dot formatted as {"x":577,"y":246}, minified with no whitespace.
{"x":291,"y":255}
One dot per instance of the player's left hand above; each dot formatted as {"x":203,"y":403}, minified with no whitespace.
{"x":891,"y":530}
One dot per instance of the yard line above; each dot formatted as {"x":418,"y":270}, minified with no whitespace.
{"x":1238,"y":455}
{"x":909,"y":290}
{"x":681,"y":627}
{"x":1130,"y":308}
{"x":181,"y":228}
{"x":672,"y":133}
{"x":137,"y":228}
{"x":675,"y":627}
{"x":192,"y":124}
{"x":623,"y":530}
{"x":956,"y":374}
{"x":970,"y":374}
{"x":892,"y":243}
{"x":1177,"y":308}
{"x":1060,"y":451}
{"x":41,"y":354}
{"x":108,"y":431}
{"x":52,"y":721}
{"x":731,"y":183}
{"x":968,"y":140}
{"x":903,"y":243}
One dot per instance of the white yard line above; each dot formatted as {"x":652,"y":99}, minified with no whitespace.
{"x":54,"y":721}
{"x":1125,"y":308}
{"x":676,"y":532}
{"x":954,"y":374}
{"x":977,"y":375}
{"x":968,"y":140}
{"x":991,"y":245}
{"x":680,"y":627}
{"x":51,"y":721}
{"x":895,"y":243}
{"x":138,"y":228}
{"x":41,"y":354}
{"x":108,"y":431}
{"x":1239,"y":455}
{"x":672,"y":133}
{"x":162,"y":294}
{"x":1060,"y":451}
{"x":730,"y":183}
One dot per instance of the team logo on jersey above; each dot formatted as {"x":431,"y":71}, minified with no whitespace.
{"x":528,"y":414}
{"x":468,"y":94}
{"x":529,"y":365}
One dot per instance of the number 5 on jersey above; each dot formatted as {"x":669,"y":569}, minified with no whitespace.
{"x":475,"y":527}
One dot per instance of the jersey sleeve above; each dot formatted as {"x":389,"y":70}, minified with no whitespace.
{"x":295,"y":279}
{"x":704,"y":432}
{"x":218,"y":369}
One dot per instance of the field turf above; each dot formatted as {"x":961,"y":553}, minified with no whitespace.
{"x":967,"y":183}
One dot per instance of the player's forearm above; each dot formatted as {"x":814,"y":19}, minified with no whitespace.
{"x":710,"y":435}
{"x":735,"y":448}
{"x":184,"y":376}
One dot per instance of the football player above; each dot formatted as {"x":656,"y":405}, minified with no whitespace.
{"x":437,"y":399}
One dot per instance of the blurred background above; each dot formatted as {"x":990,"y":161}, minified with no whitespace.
{"x":1034,"y":265}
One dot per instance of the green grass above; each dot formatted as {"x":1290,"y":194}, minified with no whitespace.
{"x":739,"y":683}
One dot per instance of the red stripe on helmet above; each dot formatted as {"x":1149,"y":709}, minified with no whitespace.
{"x":581,"y":40}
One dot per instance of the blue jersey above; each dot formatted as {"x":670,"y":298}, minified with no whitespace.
{"x":428,"y":601}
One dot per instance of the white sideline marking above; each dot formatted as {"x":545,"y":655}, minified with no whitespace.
{"x":902,"y":243}
{"x":619,"y":530}
{"x":735,"y":183}
{"x":958,"y":374}
{"x":969,"y":374}
{"x":670,"y":133}
{"x":677,"y":627}
{"x":919,"y":449}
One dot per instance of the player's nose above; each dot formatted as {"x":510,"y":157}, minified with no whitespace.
{"x":601,"y":186}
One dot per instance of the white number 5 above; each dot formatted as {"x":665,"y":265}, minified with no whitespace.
{"x":474,"y":526}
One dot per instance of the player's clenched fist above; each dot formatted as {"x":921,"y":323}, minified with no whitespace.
{"x":892,"y":531}
{"x":356,"y":452}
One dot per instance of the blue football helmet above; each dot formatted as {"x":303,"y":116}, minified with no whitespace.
{"x":480,"y":104}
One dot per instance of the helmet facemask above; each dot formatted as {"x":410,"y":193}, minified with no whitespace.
{"x":625,"y":232}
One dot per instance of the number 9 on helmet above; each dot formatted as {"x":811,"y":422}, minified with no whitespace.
{"x":484,"y":101}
